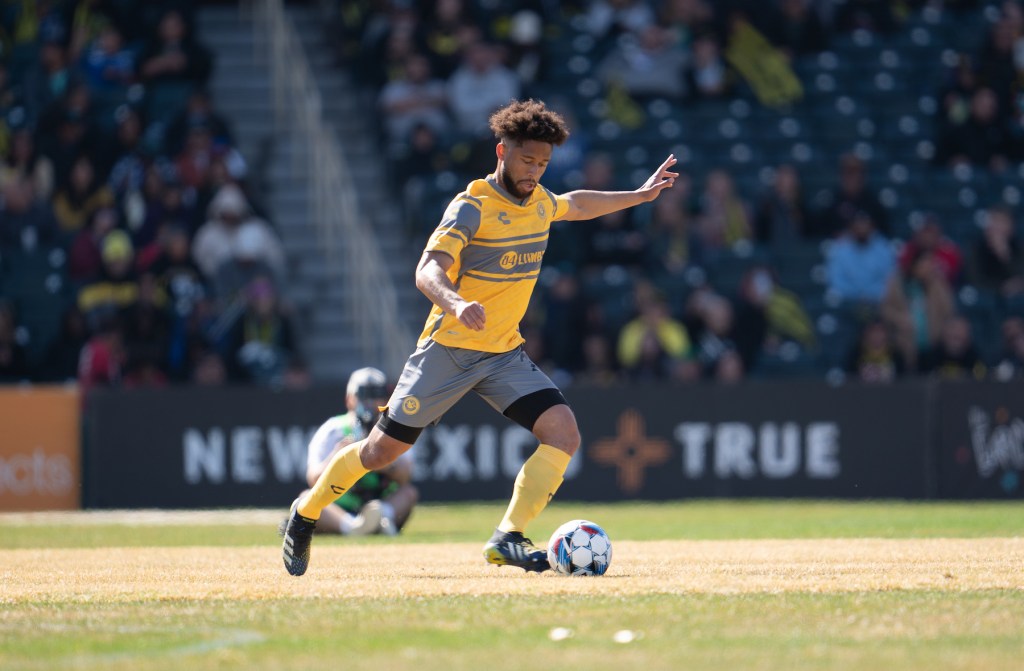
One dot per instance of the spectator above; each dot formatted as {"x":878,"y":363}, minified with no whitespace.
{"x":848,"y":199}
{"x":147,"y":333}
{"x":86,"y":259}
{"x":724,"y":216}
{"x":954,"y":356}
{"x":982,"y":139}
{"x":598,"y":363}
{"x":25,"y":222}
{"x":171,"y":65}
{"x":117,"y":286}
{"x":612,"y":239}
{"x":107,"y":65}
{"x":297,"y":375}
{"x":66,"y":131}
{"x":729,"y":368}
{"x":526,"y":46}
{"x":917,"y":304}
{"x":768,"y":316}
{"x":710,"y":321}
{"x":708,"y":75}
{"x":198,"y":113}
{"x":611,"y":18}
{"x":860,"y":263}
{"x":875,"y":359}
{"x":24,"y":162}
{"x":798,"y":30}
{"x":647,"y":64}
{"x":79,"y":198}
{"x":873,"y":15}
{"x":248,"y":261}
{"x":215,"y":240}
{"x":163,"y":199}
{"x":674,"y":243}
{"x":261,"y":342}
{"x":997,"y":260}
{"x":653,"y":343}
{"x":1010,"y":362}
{"x":998,"y":64}
{"x":209,"y":370}
{"x":414,"y":99}
{"x":126,"y":164}
{"x":928,"y":238}
{"x":102,"y":357}
{"x":686,"y":18}
{"x":195,"y":162}
{"x":782,"y":217}
{"x":479,"y":86}
{"x":60,"y":363}
{"x":13,"y":358}
{"x":564,"y":322}
{"x":956,"y":97}
{"x":446,"y":33}
{"x":47,"y":79}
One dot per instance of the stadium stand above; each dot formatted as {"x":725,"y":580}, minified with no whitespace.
{"x":113,"y":155}
{"x":865,"y":103}
{"x":867,"y":107}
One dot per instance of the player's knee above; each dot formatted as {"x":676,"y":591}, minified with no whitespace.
{"x":571,"y":439}
{"x":557,"y":428}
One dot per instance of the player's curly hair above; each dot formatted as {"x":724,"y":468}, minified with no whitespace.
{"x":523,"y":120}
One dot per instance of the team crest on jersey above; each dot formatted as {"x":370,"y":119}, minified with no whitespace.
{"x":411,"y":405}
{"x":542,"y":211}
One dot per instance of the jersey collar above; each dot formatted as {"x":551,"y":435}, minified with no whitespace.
{"x":492,"y":179}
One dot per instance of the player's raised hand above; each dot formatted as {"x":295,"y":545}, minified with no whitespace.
{"x":471,"y":315}
{"x":662,"y":178}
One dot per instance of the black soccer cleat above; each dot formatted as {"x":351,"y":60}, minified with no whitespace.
{"x":298,"y":534}
{"x":512,"y":548}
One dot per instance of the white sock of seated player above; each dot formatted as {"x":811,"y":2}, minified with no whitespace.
{"x":348,"y":522}
{"x":387,"y":510}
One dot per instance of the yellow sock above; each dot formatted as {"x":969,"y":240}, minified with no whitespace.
{"x":537,"y":482}
{"x":344,"y":471}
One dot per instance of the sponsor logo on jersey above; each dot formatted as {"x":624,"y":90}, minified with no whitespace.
{"x":503,"y":218}
{"x":510,"y":260}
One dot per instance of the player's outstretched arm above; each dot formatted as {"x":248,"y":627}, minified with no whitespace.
{"x":593,"y":204}
{"x":432,"y":280}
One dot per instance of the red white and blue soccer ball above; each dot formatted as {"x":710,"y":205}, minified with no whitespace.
{"x":579,"y":547}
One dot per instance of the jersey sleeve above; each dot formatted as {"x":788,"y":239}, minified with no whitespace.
{"x":323,"y":441}
{"x":559,"y":204}
{"x":460,"y":223}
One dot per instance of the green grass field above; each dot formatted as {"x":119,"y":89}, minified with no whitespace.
{"x":700,"y":585}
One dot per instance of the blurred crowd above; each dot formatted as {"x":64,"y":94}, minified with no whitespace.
{"x":695,"y":285}
{"x":131,"y":253}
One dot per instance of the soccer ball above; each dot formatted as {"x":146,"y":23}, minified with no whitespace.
{"x":579,"y":547}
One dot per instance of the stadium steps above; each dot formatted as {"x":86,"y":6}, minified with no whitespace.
{"x":345,"y":108}
{"x":241,"y":91}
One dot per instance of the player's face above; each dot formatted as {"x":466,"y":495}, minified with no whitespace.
{"x":522,"y":165}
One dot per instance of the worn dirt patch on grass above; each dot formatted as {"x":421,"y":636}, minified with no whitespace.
{"x":433,"y":570}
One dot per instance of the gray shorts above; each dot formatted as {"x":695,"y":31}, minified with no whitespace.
{"x":436,"y":377}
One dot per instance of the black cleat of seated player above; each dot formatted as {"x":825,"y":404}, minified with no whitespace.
{"x":511,"y":548}
{"x":298,"y":534}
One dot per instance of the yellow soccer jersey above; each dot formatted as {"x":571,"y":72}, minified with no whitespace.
{"x":497,"y":242}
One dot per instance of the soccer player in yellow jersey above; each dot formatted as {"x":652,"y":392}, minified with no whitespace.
{"x":479,"y":269}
